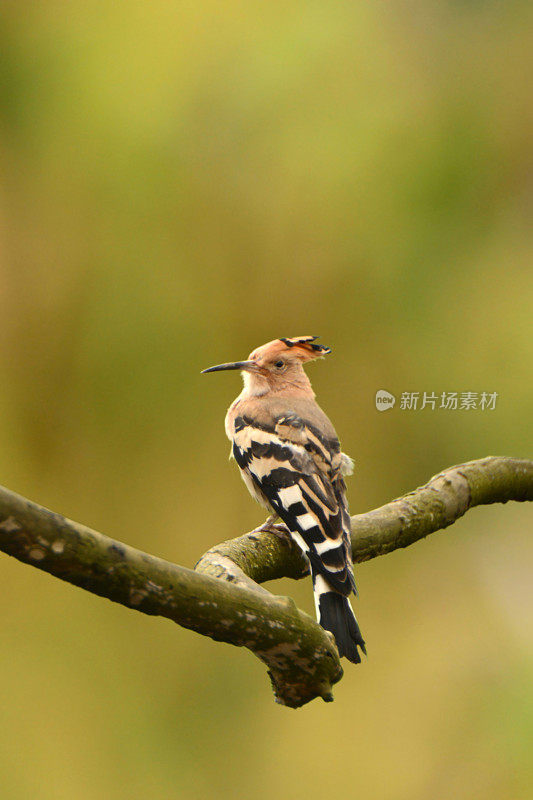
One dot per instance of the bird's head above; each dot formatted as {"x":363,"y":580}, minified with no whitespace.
{"x":277,"y":365}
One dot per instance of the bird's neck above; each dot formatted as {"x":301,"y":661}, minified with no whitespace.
{"x":258,"y":386}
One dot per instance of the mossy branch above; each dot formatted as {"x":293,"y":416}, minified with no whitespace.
{"x":430,"y":508}
{"x":222,"y":598}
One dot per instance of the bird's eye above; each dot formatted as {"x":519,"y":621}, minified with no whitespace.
{"x":279,"y":364}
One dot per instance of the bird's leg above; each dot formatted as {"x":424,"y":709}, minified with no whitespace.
{"x":269,"y":526}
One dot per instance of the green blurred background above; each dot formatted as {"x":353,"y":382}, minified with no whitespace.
{"x":181,"y":183}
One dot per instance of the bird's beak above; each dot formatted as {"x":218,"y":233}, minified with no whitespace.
{"x":246,"y":365}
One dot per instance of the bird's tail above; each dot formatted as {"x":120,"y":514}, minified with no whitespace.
{"x":335,"y":614}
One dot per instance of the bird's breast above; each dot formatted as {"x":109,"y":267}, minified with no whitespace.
{"x":229,"y":422}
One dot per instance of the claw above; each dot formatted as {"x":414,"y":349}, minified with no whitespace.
{"x":269,"y":526}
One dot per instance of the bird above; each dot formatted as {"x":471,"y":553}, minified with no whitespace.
{"x":290,"y":459}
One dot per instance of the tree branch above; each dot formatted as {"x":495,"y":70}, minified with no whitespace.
{"x":443,"y":500}
{"x":302,"y":659}
{"x":222,"y":598}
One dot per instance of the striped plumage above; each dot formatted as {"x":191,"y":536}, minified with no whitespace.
{"x":290,"y":459}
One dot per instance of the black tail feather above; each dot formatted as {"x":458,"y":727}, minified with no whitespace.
{"x":336,"y":616}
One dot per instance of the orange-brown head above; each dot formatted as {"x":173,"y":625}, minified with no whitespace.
{"x":277,"y":365}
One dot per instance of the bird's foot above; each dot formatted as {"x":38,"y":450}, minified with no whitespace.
{"x":270,"y":526}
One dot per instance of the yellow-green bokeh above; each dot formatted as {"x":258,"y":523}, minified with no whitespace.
{"x":182,"y":182}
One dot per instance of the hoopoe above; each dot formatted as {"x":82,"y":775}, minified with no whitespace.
{"x":291,"y":462}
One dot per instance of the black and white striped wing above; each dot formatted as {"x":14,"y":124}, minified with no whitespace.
{"x":291,"y":469}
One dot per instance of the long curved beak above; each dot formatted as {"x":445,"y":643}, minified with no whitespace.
{"x":247,"y":365}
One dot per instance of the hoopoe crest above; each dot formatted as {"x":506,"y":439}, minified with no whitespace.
{"x":291,"y":462}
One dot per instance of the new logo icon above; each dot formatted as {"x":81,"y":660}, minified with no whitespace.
{"x":384,"y":400}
